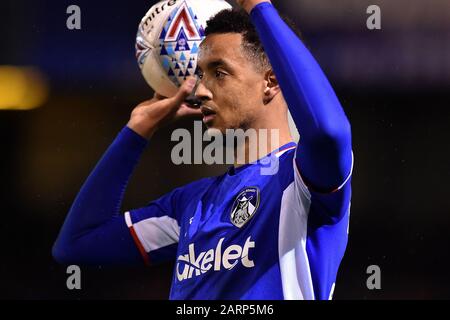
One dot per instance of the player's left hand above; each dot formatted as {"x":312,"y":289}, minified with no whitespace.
{"x":248,"y":5}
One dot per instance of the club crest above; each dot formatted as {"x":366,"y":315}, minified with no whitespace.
{"x":245,"y":206}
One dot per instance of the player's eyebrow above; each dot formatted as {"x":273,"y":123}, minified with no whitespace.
{"x":214,"y":64}
{"x":217,"y":63}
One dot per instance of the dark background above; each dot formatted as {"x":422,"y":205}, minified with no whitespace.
{"x":394,"y":86}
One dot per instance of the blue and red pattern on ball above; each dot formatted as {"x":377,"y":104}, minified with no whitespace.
{"x":179,"y":43}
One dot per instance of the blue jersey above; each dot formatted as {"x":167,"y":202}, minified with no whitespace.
{"x":247,"y":235}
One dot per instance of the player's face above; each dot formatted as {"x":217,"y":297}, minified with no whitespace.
{"x":231,"y":88}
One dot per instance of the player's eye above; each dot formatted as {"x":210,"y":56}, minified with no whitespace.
{"x":200,"y":74}
{"x":220,"y":74}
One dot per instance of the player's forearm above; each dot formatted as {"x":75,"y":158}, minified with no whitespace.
{"x":306,"y":89}
{"x":100,"y":198}
{"x":248,"y":5}
{"x":325,"y":146}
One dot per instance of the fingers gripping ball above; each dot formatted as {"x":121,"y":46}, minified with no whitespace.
{"x":168,"y":41}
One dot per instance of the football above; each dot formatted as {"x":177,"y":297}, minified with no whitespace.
{"x":168,"y":40}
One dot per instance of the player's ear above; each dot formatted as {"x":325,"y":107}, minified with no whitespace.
{"x":271,"y":86}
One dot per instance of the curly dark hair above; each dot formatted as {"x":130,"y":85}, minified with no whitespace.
{"x":238,"y":21}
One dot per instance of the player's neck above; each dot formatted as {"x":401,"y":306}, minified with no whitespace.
{"x":267,"y":140}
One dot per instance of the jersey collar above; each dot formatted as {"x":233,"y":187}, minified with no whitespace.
{"x":278,"y":153}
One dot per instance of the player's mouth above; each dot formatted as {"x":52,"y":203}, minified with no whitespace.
{"x":208,"y":114}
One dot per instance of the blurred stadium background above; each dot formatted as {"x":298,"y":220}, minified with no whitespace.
{"x":76,"y":89}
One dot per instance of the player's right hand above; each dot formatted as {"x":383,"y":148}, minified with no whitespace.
{"x":153,"y":114}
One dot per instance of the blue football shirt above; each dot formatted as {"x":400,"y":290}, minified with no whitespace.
{"x":248,"y":234}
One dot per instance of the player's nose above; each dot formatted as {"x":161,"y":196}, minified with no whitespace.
{"x":203,"y":93}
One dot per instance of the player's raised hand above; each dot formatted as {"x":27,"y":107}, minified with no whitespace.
{"x":151,"y":115}
{"x":248,"y":5}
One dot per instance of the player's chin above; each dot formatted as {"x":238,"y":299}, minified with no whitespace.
{"x":212,"y":123}
{"x":215,"y":128}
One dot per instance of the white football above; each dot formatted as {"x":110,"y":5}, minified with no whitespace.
{"x":168,"y":40}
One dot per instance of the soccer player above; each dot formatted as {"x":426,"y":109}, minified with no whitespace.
{"x":241,"y":235}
